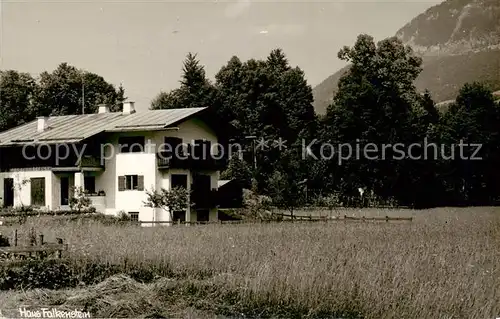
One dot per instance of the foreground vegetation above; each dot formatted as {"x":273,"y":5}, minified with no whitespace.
{"x":446,"y":263}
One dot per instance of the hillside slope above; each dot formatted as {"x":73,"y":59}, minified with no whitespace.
{"x":459,"y":41}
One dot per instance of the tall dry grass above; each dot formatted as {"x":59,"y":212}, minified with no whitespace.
{"x":444,"y":264}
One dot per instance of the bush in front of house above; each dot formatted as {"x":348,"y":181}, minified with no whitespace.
{"x":32,"y":211}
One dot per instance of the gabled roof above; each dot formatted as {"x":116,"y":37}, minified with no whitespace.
{"x":75,"y":128}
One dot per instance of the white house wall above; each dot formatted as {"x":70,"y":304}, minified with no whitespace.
{"x":135,"y":164}
{"x":120,"y":164}
{"x":22,"y":196}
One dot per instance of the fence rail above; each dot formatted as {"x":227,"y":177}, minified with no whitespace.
{"x":289,"y":218}
{"x":48,"y":248}
{"x":39,"y":248}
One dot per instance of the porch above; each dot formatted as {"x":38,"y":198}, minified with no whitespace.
{"x":65,"y":183}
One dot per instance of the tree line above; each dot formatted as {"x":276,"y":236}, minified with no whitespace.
{"x":376,"y":102}
{"x":64,"y":91}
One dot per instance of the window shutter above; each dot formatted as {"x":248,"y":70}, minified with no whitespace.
{"x":140,"y":182}
{"x":121,"y":183}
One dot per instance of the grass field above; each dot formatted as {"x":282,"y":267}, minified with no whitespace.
{"x":444,"y":264}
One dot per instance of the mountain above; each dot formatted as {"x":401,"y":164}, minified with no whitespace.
{"x":459,"y":41}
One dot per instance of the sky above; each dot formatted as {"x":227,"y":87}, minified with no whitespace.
{"x":142,"y":44}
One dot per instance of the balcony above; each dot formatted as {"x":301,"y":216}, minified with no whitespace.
{"x":90,"y":161}
{"x":98,"y":202}
{"x":189,"y":162}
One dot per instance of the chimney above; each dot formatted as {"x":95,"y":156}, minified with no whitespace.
{"x":42,"y":123}
{"x":128,"y":107}
{"x":103,"y":108}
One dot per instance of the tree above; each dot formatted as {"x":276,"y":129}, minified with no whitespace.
{"x":195,"y":89}
{"x":67,"y":89}
{"x":239,"y":170}
{"x":267,"y":99}
{"x":374,"y":104}
{"x":167,"y":100}
{"x":285,"y":192}
{"x":16,"y":98}
{"x":231,"y":106}
{"x":287,"y":184}
{"x":80,"y":201}
{"x":473,"y":119}
{"x":432,"y":113}
{"x":175,"y":199}
{"x":120,"y":98}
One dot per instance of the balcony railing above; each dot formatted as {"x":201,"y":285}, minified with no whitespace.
{"x":190,"y":162}
{"x":91,"y":161}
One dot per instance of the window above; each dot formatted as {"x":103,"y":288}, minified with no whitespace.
{"x":89,"y":182}
{"x":173,"y":147}
{"x":178,"y":180}
{"x":134,"y":216}
{"x":38,"y":191}
{"x":131,"y":182}
{"x":131,"y":144}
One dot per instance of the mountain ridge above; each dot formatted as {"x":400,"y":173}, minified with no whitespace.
{"x":459,"y":42}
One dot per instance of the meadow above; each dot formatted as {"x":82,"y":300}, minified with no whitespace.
{"x":443,"y":264}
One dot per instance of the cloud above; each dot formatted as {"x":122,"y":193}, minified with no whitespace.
{"x":235,"y":10}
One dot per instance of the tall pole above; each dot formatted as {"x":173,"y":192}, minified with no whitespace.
{"x":254,"y":149}
{"x":254,"y":156}
{"x":83,"y":96}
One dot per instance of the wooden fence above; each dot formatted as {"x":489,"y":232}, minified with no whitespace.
{"x":37,"y":248}
{"x":285,"y":218}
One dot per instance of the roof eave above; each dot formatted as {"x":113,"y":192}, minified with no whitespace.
{"x":186,"y":118}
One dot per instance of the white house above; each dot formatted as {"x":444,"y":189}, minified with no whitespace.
{"x":115,"y":157}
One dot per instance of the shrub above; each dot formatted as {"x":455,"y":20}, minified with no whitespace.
{"x":80,"y":201}
{"x":124,"y":217}
{"x":50,"y":274}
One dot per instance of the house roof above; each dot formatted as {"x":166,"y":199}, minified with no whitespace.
{"x":75,"y":128}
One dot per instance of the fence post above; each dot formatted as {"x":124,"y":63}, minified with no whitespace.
{"x":32,"y":237}
{"x":59,"y":252}
{"x":15,"y":237}
{"x":40,"y":254}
